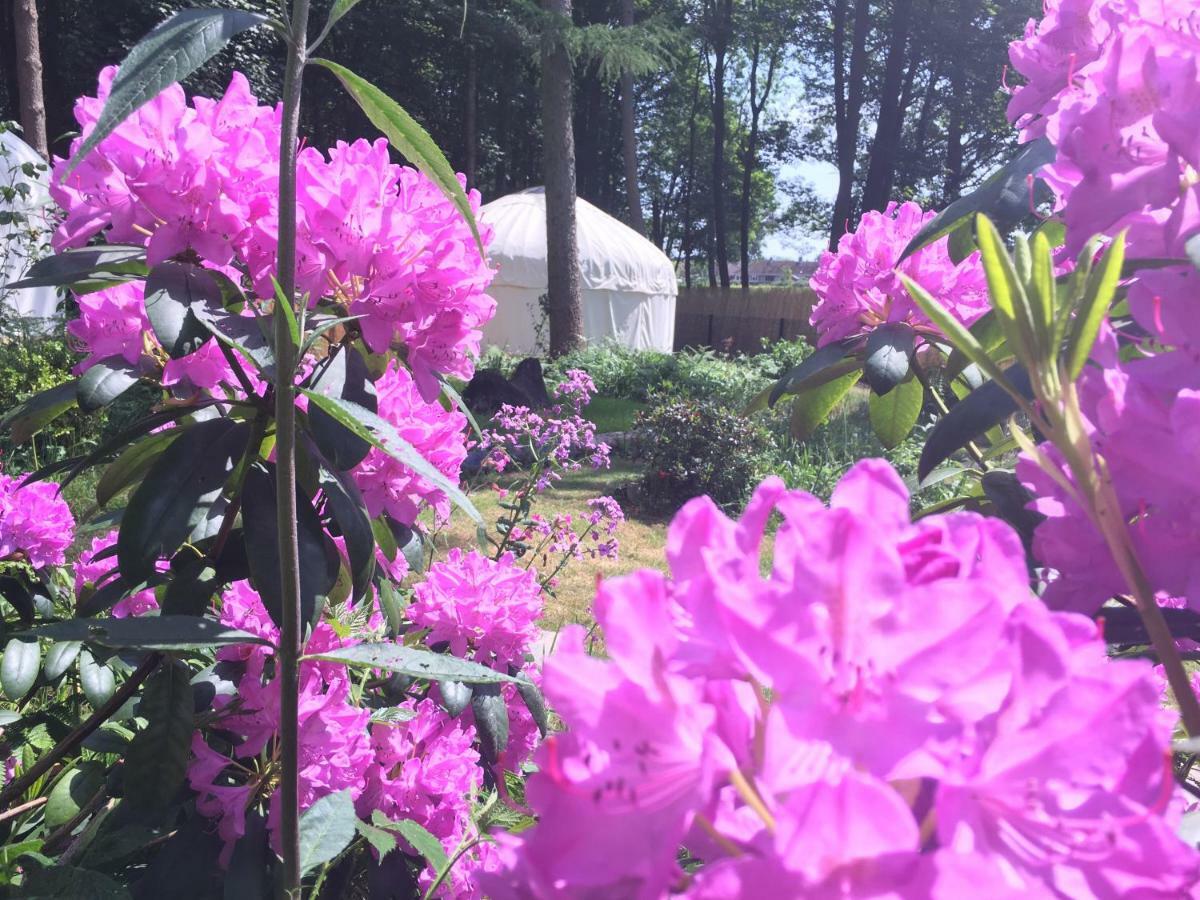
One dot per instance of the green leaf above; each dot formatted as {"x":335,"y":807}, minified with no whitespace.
{"x":30,"y":416}
{"x":340,"y":8}
{"x":415,"y":662}
{"x":813,"y":406}
{"x":70,"y":266}
{"x":322,"y":326}
{"x":247,"y":875}
{"x":1005,"y":197}
{"x":319,"y":559}
{"x":326,"y":829}
{"x":133,"y":463}
{"x":1007,"y":293}
{"x":1045,"y":290}
{"x":59,"y":881}
{"x":72,"y":792}
{"x":987,"y":333}
{"x":393,"y":607}
{"x":889,"y":355}
{"x":344,"y":375}
{"x":19,"y":668}
{"x":382,"y":434}
{"x":159,"y":753}
{"x":536,"y":704}
{"x":1097,"y":298}
{"x":174,"y":290}
{"x":419,"y":837}
{"x":178,"y":494}
{"x":110,"y":738}
{"x":96,"y":679}
{"x":283,"y":306}
{"x":104,"y":382}
{"x":382,"y":840}
{"x":147,"y":633}
{"x":19,"y":594}
{"x":457,"y":401}
{"x":345,"y":503}
{"x":408,"y":137}
{"x":456,"y":696}
{"x":894,"y":414}
{"x":962,"y":242}
{"x":984,"y":408}
{"x":241,"y":333}
{"x":59,"y":658}
{"x":805,"y":375}
{"x":170,"y":53}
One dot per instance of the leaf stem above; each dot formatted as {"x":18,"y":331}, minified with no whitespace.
{"x":285,"y":451}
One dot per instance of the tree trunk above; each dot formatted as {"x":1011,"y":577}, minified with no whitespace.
{"x":848,"y":96}
{"x":884,"y":147}
{"x":629,"y":149}
{"x":558,"y":165}
{"x":952,"y":185}
{"x":686,"y":239}
{"x":721,"y":16}
{"x":29,"y":76}
{"x":750,"y":161}
{"x":470,"y":118}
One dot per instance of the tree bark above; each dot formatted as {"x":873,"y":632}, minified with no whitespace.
{"x":952,"y":184}
{"x":848,"y":97}
{"x":888,"y":126}
{"x":29,"y":76}
{"x":686,"y":239}
{"x":721,"y":27}
{"x":470,"y":117}
{"x":629,"y":148}
{"x":558,"y":164}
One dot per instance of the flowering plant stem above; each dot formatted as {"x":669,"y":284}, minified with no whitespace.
{"x":285,"y":452}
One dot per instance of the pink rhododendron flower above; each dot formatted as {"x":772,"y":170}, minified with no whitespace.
{"x":36,"y":524}
{"x":91,"y":572}
{"x":858,"y":285}
{"x":739,"y":715}
{"x":111,"y":322}
{"x":484,"y":610}
{"x":388,"y":485}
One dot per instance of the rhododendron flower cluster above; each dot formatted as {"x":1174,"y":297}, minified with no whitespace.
{"x":91,"y":573}
{"x":36,"y":525}
{"x":559,"y":437}
{"x":887,"y":711}
{"x":200,"y":181}
{"x":1114,"y":86}
{"x":858,"y":286}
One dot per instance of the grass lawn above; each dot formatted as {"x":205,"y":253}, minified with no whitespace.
{"x":642,"y":542}
{"x":612,"y":413}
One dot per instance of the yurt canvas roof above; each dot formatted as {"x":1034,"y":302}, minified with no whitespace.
{"x":612,"y":256}
{"x":28,"y":303}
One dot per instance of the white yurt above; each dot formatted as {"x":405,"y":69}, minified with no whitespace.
{"x":627,"y":284}
{"x":30,"y":237}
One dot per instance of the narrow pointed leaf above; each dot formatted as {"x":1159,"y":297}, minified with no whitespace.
{"x":1097,"y":299}
{"x":172,"y":51}
{"x":491,"y":720}
{"x":1006,"y":293}
{"x":415,"y":662}
{"x":345,"y":503}
{"x":69,"y":266}
{"x":30,"y":416}
{"x":159,"y":753}
{"x":819,"y":362}
{"x":344,"y":375}
{"x":127,"y":468}
{"x":147,"y":633}
{"x":408,"y":137}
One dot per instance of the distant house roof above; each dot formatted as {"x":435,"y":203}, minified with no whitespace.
{"x":781,"y":271}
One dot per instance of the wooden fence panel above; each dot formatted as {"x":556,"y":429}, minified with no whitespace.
{"x":737,"y":320}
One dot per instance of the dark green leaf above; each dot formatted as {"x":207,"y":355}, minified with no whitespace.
{"x":894,"y":414}
{"x":393,"y":607}
{"x":159,"y":753}
{"x":345,"y":503}
{"x":71,"y":266}
{"x":1005,"y":197}
{"x":133,"y":463}
{"x":419,"y":837}
{"x":19,"y":594}
{"x":340,"y":8}
{"x":888,"y":356}
{"x":319,"y":559}
{"x":72,"y":792}
{"x":1097,"y":299}
{"x":343,"y":375}
{"x":814,"y":405}
{"x":456,"y":696}
{"x":110,"y":738}
{"x":987,"y":332}
{"x":326,"y":829}
{"x":962,"y":242}
{"x":60,"y":657}
{"x":174,"y":290}
{"x":62,"y":881}
{"x":818,"y":363}
{"x":247,"y":875}
{"x":147,"y":633}
{"x":408,"y":137}
{"x":415,"y":662}
{"x":19,"y":668}
{"x":536,"y":704}
{"x":104,"y":382}
{"x":30,"y":416}
{"x":983,"y":408}
{"x":241,"y":333}
{"x":382,"y":434}
{"x":1011,"y":501}
{"x":178,"y":494}
{"x":191,"y":590}
{"x":170,"y":53}
{"x":491,"y":720}
{"x":96,"y":679}
{"x":381,"y":840}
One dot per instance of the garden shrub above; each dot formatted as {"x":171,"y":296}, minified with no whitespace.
{"x":695,"y":447}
